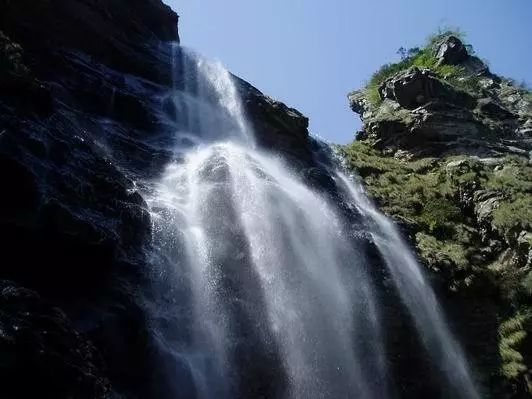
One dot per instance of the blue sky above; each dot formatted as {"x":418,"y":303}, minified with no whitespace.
{"x":310,"y":54}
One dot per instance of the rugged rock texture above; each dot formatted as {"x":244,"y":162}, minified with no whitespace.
{"x":445,"y":150}
{"x":457,"y":109}
{"x":278,"y":127}
{"x":82,"y":125}
{"x":452,"y":51}
{"x":116,"y":33}
{"x":416,"y":87}
{"x":73,"y":134}
{"x":42,"y":354}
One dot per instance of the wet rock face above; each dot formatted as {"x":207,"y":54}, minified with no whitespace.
{"x":17,"y":81}
{"x":79,"y":82}
{"x":11,"y":61}
{"x":115,"y":32}
{"x":42,"y":354}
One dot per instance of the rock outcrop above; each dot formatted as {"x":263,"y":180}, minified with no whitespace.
{"x":445,"y":150}
{"x":452,"y":51}
{"x":462,"y":108}
{"x":278,"y":127}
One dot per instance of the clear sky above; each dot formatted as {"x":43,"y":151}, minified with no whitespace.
{"x":311,"y":53}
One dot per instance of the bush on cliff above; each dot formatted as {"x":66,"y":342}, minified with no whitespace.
{"x":425,"y":57}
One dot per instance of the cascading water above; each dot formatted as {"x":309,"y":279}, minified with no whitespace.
{"x":416,"y":293}
{"x":262,"y":290}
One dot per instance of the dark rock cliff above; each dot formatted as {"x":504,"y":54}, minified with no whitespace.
{"x":81,"y":121}
{"x":445,"y":150}
{"x":75,"y":120}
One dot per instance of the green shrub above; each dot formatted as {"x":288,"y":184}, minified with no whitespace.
{"x":511,"y":336}
{"x":515,"y":176}
{"x":439,"y":213}
{"x":517,"y":213}
{"x":441,"y":251}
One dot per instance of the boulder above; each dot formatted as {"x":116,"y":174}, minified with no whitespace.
{"x":277,"y":127}
{"x":452,"y":51}
{"x":358,"y":102}
{"x":415,"y":87}
{"x":493,"y":110}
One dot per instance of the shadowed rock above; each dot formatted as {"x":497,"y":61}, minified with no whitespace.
{"x":452,"y":51}
{"x":42,"y":354}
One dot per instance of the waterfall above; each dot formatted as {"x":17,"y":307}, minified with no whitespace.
{"x":259,"y":287}
{"x":416,"y":293}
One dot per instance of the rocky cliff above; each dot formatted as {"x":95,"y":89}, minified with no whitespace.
{"x":445,"y":149}
{"x":82,"y":122}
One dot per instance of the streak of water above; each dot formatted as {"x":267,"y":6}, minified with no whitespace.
{"x":416,"y":293}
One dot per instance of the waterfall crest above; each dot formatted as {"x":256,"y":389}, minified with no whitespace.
{"x":261,"y":289}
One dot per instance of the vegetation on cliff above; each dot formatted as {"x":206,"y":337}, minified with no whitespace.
{"x":425,"y":57}
{"x":445,"y":151}
{"x":431,"y":196}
